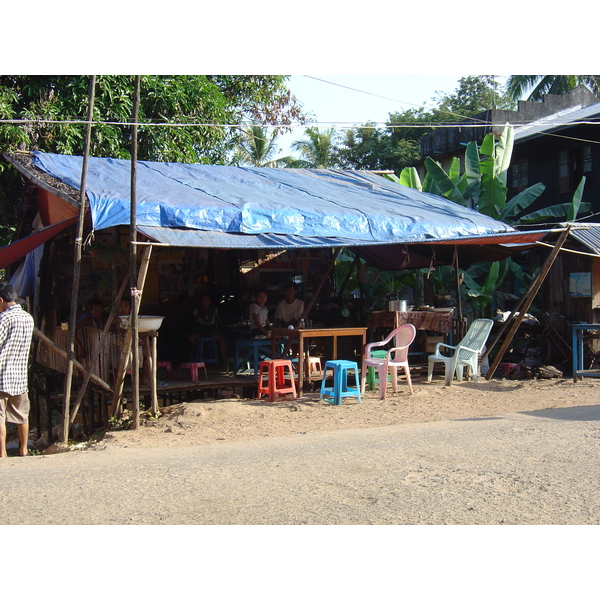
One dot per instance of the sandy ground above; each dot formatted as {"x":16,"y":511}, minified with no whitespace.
{"x":239,"y":419}
{"x":501,"y":452}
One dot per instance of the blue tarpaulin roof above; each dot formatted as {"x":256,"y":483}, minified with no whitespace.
{"x":281,"y":207}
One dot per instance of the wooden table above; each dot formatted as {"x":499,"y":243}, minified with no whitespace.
{"x":429,"y":320}
{"x":251,"y":351}
{"x":300,"y":335}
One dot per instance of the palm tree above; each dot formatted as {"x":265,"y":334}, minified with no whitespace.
{"x":316,"y":150}
{"x":257,"y":148}
{"x":517,"y":85}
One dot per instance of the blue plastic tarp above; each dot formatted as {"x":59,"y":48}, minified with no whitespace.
{"x":353,"y":207}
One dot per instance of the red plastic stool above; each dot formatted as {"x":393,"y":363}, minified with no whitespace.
{"x":167,"y":365}
{"x":193,"y":367}
{"x":276,"y":381}
{"x":508,"y":369}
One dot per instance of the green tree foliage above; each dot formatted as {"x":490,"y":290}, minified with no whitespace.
{"x":258,"y":148}
{"x":316,"y":149}
{"x":538,"y":85}
{"x":475,"y":94}
{"x":47,"y":113}
{"x":397,"y":146}
{"x":367,"y":147}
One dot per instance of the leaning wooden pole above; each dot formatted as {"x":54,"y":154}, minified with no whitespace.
{"x":64,"y":433}
{"x":459,"y":314}
{"x":76,"y":363}
{"x":127,"y":345}
{"x":135,"y":292}
{"x":527,"y":300}
{"x":322,"y":283}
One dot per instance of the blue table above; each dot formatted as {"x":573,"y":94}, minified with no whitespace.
{"x":578,"y":366}
{"x":251,"y":351}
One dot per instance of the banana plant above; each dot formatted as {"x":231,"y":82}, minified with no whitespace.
{"x":481,"y":294}
{"x":483,"y":186}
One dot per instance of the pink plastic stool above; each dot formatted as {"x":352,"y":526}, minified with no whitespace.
{"x":193,"y":367}
{"x":167,"y":365}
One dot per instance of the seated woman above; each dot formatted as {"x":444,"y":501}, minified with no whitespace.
{"x":259,"y":315}
{"x":207,"y":324}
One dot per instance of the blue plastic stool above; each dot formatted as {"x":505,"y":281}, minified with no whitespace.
{"x":340,"y":387}
{"x":206,"y":351}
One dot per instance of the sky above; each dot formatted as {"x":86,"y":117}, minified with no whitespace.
{"x":344,"y":100}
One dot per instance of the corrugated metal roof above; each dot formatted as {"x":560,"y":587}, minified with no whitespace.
{"x":556,"y":121}
{"x":588,"y":234}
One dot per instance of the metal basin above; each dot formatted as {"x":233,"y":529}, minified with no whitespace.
{"x":145,"y":322}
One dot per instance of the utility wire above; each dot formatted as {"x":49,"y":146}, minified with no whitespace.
{"x":391,"y":99}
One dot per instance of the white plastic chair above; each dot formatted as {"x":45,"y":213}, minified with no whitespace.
{"x":396,"y":357}
{"x":465,"y":354}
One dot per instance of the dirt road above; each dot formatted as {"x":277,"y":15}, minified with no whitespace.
{"x":533,"y":467}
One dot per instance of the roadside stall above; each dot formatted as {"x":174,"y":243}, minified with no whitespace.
{"x":218,"y":228}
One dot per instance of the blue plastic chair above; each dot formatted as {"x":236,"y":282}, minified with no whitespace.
{"x":206,"y":351}
{"x":340,"y":388}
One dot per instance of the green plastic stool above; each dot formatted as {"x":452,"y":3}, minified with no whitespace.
{"x":372,"y":378}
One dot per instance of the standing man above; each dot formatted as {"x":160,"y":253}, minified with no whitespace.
{"x":16,"y":331}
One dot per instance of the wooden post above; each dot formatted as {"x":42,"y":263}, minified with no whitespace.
{"x":64,"y":434}
{"x":152,"y":353}
{"x":135,"y":293}
{"x":527,"y":300}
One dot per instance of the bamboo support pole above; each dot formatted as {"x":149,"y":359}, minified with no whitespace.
{"x":120,"y":378}
{"x":135,"y":293}
{"x":64,"y":433}
{"x":76,"y":363}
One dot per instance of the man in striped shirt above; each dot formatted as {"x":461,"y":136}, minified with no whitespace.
{"x":16,"y":331}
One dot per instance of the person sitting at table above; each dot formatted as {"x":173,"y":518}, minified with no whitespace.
{"x":259,"y":315}
{"x":207,"y":325}
{"x":289,"y":311}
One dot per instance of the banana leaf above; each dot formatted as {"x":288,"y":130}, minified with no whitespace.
{"x":558,"y":211}
{"x":472,"y":172}
{"x":503,"y":153}
{"x":409,"y":177}
{"x":392,"y":177}
{"x":576,"y":202}
{"x":521,"y":201}
{"x":430,"y":186}
{"x":443,"y":182}
{"x":493,"y":197}
{"x":454,"y":171}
